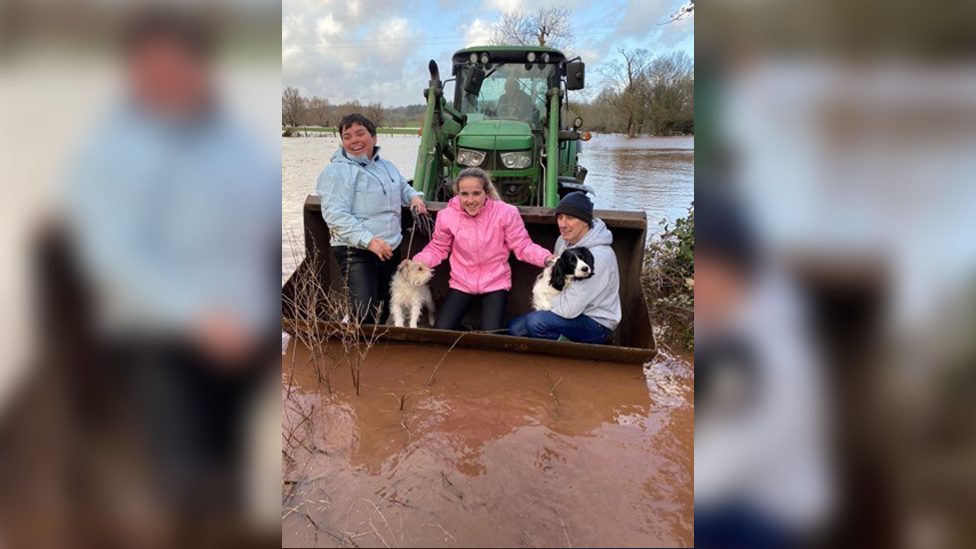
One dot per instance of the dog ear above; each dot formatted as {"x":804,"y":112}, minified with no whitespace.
{"x":558,"y":278}
{"x":588,"y":258}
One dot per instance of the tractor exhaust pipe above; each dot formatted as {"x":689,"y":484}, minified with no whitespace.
{"x":435,"y":75}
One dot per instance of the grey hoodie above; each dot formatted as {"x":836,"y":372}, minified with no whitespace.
{"x":597,"y":297}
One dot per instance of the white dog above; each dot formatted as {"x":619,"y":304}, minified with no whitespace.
{"x":573,"y":264}
{"x":409,"y":290}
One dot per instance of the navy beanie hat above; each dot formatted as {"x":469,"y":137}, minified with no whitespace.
{"x":576,"y":204}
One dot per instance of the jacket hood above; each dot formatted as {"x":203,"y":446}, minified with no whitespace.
{"x":341,"y":157}
{"x":598,"y":235}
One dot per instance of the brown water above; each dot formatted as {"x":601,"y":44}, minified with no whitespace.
{"x":486,"y":457}
{"x":654,"y":174}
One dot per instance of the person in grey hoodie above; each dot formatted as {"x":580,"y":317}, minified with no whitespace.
{"x":361,"y":196}
{"x":588,"y":310}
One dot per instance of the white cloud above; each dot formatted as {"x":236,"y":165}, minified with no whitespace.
{"x":377,"y":50}
{"x":506,"y":6}
{"x":478,"y":33}
{"x":357,"y":52}
{"x":327,"y":27}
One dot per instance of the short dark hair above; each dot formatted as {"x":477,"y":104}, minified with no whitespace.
{"x":357,"y":118}
{"x":159,"y":24}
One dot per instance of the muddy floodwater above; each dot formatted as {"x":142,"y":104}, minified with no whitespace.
{"x":500,"y":450}
{"x":495,"y":449}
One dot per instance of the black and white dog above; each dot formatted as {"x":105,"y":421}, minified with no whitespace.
{"x":573,"y":264}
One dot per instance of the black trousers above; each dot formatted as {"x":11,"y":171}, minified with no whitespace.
{"x":457,"y":304}
{"x":190,"y":415}
{"x":369,"y":281}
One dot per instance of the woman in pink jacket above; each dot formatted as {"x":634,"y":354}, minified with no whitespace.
{"x":479,"y":231}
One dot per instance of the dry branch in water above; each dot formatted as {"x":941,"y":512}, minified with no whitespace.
{"x":552,"y":392}
{"x":430,"y":380}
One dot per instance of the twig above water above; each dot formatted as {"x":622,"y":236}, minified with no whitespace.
{"x":442,"y":530}
{"x":430,"y":380}
{"x":446,"y":482}
{"x":552,"y":391}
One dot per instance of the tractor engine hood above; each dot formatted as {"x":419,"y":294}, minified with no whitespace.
{"x":496,"y":135}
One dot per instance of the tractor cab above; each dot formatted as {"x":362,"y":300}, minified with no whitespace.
{"x":506,"y":117}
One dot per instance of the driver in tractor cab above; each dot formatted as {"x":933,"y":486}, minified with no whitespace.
{"x":515,"y":103}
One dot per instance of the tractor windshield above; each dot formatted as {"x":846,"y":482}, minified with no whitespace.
{"x":506,"y":91}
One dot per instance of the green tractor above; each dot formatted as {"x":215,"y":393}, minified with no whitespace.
{"x":506,"y":117}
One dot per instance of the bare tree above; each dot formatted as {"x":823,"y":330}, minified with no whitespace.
{"x":628,"y":80}
{"x":548,"y":26}
{"x":374,"y":111}
{"x":292,"y":105}
{"x":348,"y":108}
{"x":687,"y":10}
{"x":670,"y":88}
{"x":319,"y":112}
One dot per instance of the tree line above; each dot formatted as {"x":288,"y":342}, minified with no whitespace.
{"x":298,"y":112}
{"x":641,"y":96}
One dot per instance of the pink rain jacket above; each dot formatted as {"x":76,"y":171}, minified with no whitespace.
{"x":479,"y":246}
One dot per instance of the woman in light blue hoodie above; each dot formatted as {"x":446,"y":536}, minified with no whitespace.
{"x":362,"y":196}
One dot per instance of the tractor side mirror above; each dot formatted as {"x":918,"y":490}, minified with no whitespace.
{"x":575,"y":75}
{"x":477,"y":78}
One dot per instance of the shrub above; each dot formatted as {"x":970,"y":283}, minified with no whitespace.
{"x":668,"y":279}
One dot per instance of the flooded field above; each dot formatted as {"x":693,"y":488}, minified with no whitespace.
{"x":498,"y":451}
{"x":494,"y":449}
{"x":654,"y":174}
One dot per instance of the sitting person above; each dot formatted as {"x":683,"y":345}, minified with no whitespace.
{"x":479,"y":232}
{"x":515,"y":103}
{"x":588,"y":310}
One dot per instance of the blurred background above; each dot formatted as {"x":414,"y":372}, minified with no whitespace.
{"x":138,"y":300}
{"x":835,"y":274}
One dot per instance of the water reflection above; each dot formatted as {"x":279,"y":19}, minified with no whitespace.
{"x":488,"y":454}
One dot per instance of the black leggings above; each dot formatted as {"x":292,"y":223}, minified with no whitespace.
{"x":369,"y":280}
{"x":457,"y":304}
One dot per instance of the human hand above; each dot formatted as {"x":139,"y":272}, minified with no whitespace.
{"x":550,"y":261}
{"x":380,"y":248}
{"x":224,"y":339}
{"x":417,"y":205}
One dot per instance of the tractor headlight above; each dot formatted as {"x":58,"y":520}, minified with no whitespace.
{"x":470,"y":157}
{"x":517,"y":160}
{"x":531,"y":57}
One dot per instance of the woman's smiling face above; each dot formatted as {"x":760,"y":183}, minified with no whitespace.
{"x":472,"y":195}
{"x":357,"y":141}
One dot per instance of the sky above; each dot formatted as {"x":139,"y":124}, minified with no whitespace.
{"x":378,"y":50}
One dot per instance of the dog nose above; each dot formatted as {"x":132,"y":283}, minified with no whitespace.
{"x":586,"y":269}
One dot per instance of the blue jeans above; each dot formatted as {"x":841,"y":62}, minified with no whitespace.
{"x":549,"y":325}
